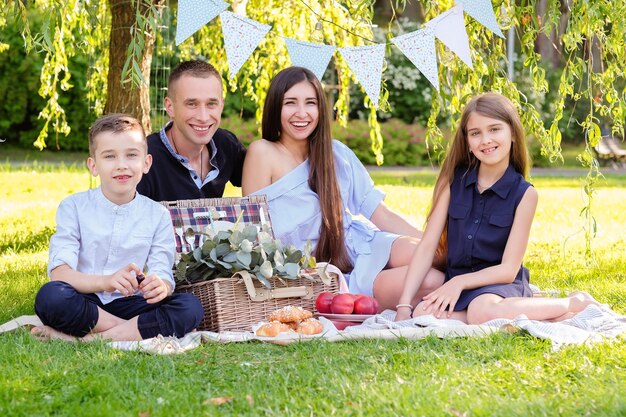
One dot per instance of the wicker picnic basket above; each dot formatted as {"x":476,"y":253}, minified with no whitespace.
{"x":236,"y":303}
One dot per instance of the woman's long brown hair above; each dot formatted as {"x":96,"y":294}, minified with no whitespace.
{"x":322,"y":177}
{"x":491,"y":105}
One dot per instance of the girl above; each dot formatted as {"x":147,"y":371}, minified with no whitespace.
{"x":481,"y":214}
{"x":315,"y":186}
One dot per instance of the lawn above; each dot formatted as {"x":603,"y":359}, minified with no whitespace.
{"x":502,"y":374}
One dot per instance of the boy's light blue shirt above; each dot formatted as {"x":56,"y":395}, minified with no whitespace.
{"x":96,"y":236}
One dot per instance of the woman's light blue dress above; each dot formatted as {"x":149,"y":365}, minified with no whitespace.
{"x":296,"y":217}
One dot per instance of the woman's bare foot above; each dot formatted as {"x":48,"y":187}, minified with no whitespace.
{"x":48,"y":333}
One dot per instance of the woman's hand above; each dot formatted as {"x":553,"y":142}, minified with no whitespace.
{"x":444,"y":297}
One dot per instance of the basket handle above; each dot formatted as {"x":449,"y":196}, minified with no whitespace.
{"x":263,"y":294}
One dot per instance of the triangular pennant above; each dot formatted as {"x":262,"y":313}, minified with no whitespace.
{"x":482,"y":11}
{"x":193,"y":14}
{"x":313,"y":56}
{"x":241,"y":37}
{"x":366,"y":62}
{"x":448,"y":30}
{"x":419,"y":47}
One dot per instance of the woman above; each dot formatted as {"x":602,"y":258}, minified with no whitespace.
{"x":315,"y":186}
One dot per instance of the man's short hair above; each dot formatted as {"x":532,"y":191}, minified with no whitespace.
{"x":115,"y":123}
{"x":199,"y":69}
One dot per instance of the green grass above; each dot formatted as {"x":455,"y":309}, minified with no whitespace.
{"x":502,"y":374}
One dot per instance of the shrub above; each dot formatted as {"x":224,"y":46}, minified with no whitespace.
{"x":403,"y":146}
{"x":20,"y":102}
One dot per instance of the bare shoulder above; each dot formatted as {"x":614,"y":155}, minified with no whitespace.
{"x":531,"y":196}
{"x":262,"y":147}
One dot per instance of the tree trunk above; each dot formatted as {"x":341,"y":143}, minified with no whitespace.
{"x":122,"y":95}
{"x":545,"y":44}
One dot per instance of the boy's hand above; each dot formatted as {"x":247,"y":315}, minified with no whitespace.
{"x":123,"y":280}
{"x":154,"y":289}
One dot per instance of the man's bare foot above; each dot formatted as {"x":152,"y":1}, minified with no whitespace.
{"x":48,"y":333}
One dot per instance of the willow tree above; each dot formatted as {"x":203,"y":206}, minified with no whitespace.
{"x":118,"y":35}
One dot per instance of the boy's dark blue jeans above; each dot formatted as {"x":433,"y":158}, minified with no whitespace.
{"x":61,"y":307}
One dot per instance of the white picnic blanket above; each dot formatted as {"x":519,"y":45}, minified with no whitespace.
{"x":594,"y":324}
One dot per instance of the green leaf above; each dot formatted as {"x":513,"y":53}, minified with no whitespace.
{"x":292,"y":269}
{"x":222,"y":249}
{"x":245,"y":258}
{"x":279,"y":258}
{"x":224,"y":264}
{"x":250,"y":232}
{"x":266,"y":269}
{"x":263,"y":281}
{"x":230,"y":257}
{"x":246,"y":246}
{"x":294,"y":257}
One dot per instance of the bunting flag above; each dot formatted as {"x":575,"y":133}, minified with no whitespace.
{"x":193,"y":14}
{"x":419,"y":47}
{"x":448,"y":30}
{"x":241,"y":37}
{"x":482,"y":11}
{"x":366,"y":62}
{"x":313,"y":56}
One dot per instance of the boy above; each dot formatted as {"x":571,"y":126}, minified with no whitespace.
{"x":104,"y":238}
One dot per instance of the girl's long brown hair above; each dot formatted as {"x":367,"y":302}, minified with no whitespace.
{"x":491,"y":105}
{"x":322,"y":177}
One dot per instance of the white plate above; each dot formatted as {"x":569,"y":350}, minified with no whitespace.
{"x":346,"y":317}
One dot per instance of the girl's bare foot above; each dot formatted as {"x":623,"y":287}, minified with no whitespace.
{"x":48,"y":333}
{"x":579,"y":300}
{"x":565,"y":316}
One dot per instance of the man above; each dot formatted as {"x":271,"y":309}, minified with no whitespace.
{"x":193,"y":157}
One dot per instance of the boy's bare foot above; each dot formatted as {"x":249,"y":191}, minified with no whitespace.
{"x":48,"y":333}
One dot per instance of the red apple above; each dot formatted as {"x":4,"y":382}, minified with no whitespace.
{"x":322,"y":303}
{"x":342,"y":304}
{"x":365,"y":305}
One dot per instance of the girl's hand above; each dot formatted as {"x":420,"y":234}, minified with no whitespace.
{"x":444,"y":297}
{"x":403,"y":313}
{"x":154,"y":289}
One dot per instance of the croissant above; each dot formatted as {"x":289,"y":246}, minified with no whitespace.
{"x":290,"y":314}
{"x":272,"y":329}
{"x":310,"y":326}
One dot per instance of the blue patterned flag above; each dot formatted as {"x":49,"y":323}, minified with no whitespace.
{"x":482,"y":11}
{"x":193,"y":14}
{"x":241,"y":37}
{"x":366,"y":62}
{"x":449,"y":28}
{"x":419,"y":47}
{"x":313,"y":56}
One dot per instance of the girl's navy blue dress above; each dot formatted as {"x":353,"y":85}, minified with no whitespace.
{"x":478,"y":229}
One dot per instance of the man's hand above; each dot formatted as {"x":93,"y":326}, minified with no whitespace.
{"x":154,"y":289}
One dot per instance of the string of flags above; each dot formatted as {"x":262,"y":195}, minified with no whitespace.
{"x":243,"y":35}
